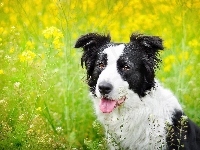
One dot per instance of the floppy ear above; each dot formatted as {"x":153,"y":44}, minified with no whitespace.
{"x":149,"y":46}
{"x":91,"y":40}
{"x":91,"y":43}
{"x":151,"y":42}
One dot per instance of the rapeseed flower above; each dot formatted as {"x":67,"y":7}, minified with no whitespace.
{"x":196,"y":52}
{"x":168,"y":43}
{"x":27,"y":56}
{"x":168,"y":61}
{"x":39,"y":109}
{"x":52,"y":32}
{"x":1,"y":71}
{"x":193,"y":43}
{"x":11,"y":50}
{"x":54,"y":37}
{"x":0,"y":41}
{"x":188,"y":70}
{"x":30,"y":45}
{"x":57,"y":44}
{"x":167,"y":68}
{"x":1,"y":29}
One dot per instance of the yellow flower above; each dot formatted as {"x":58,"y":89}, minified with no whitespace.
{"x":1,"y":71}
{"x":196,"y":52}
{"x":1,"y":29}
{"x":189,"y":4}
{"x":168,"y":42}
{"x":52,"y":32}
{"x":188,"y":70}
{"x":30,"y":45}
{"x":193,"y":43}
{"x":0,"y":41}
{"x":169,"y":59}
{"x":60,"y":54}
{"x":165,"y":8}
{"x":27,"y":56}
{"x":57,"y":44}
{"x":42,"y":55}
{"x":11,"y":50}
{"x":167,"y":68}
{"x":72,"y":6}
{"x":39,"y":109}
{"x":118,"y":6}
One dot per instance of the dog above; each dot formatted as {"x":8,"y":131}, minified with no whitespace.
{"x":137,"y":112}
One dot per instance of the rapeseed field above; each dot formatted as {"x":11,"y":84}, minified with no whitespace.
{"x":44,"y":102}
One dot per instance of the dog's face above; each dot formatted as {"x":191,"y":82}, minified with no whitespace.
{"x":114,"y":69}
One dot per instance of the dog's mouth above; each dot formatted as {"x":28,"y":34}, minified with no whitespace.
{"x":108,"y":105}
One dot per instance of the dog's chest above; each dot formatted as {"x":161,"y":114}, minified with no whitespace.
{"x":135,"y":132}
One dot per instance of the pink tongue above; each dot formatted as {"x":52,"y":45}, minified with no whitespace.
{"x":107,"y":105}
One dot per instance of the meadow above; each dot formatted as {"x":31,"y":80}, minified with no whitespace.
{"x":44,"y":102}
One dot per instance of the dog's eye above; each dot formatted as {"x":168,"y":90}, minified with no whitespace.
{"x":101,"y":65}
{"x":126,"y":67}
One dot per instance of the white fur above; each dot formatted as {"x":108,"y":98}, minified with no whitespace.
{"x":139,"y":123}
{"x":110,"y":73}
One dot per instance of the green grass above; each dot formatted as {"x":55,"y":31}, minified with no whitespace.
{"x":44,"y":101}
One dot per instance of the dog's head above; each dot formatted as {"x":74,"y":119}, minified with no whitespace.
{"x":113,"y":69}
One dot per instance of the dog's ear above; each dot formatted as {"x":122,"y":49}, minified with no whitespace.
{"x":91,"y":40}
{"x":153,"y":43}
{"x":149,"y":46}
{"x":91,"y":43}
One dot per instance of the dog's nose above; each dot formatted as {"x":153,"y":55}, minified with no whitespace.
{"x":105,"y":88}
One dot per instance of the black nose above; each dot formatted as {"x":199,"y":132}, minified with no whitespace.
{"x":105,"y":87}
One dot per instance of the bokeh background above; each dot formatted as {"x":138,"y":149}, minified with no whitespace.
{"x":44,"y":102}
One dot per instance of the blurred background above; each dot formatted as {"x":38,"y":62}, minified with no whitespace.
{"x":44,"y":102}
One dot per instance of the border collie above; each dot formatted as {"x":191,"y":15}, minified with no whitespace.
{"x":136,"y":111}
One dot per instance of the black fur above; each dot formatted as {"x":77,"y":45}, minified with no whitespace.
{"x":183,"y":134}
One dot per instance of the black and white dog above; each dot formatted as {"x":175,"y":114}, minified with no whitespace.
{"x":136,"y":111}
